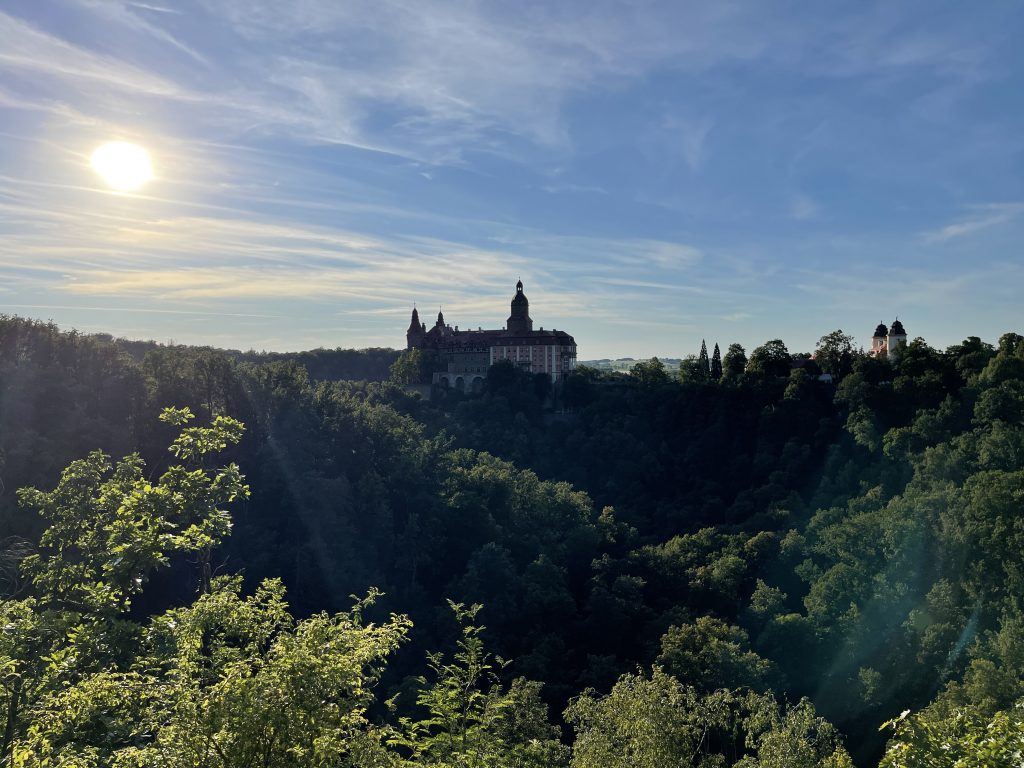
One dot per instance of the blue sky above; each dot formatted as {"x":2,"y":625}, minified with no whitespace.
{"x":656,"y":173}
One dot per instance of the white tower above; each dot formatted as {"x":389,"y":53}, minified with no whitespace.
{"x":897,"y":338}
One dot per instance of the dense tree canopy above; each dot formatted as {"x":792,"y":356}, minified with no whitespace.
{"x":740,"y":570}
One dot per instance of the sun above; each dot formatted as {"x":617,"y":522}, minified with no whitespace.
{"x":123,"y":166}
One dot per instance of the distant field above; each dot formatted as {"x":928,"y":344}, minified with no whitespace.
{"x":623,"y":364}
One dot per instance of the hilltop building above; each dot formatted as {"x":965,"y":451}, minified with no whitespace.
{"x":887,"y":342}
{"x":461,"y":358}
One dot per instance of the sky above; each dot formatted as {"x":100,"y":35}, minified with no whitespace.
{"x":657,"y":173}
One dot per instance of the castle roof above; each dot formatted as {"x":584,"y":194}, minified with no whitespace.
{"x":501,"y":337}
{"x":881,"y":331}
{"x":896,"y":329}
{"x":520,"y":297}
{"x":517,"y":332}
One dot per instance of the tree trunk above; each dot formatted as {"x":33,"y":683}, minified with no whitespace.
{"x":205,"y":571}
{"x":12,"y":721}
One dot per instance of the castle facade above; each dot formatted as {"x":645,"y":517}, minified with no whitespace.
{"x":461,"y":358}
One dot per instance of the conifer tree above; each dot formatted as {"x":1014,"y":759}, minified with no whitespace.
{"x":716,"y":364}
{"x":705,"y":366}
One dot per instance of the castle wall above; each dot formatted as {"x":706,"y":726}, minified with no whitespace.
{"x":556,"y":360}
{"x":896,"y":342}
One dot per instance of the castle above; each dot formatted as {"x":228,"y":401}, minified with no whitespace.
{"x":461,"y":358}
{"x":887,"y":342}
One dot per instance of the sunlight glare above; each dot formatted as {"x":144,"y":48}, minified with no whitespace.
{"x":123,"y":166}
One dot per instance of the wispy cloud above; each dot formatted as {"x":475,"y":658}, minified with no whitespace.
{"x":125,"y":14}
{"x":133,"y":310}
{"x":156,"y":8}
{"x":24,"y":47}
{"x":432,"y":81}
{"x":981,"y":217}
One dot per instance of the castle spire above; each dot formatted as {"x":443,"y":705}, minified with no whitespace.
{"x":519,"y":320}
{"x":414,"y":336}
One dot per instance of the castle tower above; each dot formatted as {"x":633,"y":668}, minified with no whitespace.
{"x":441,"y":329}
{"x":414,"y":336}
{"x":519,"y":321}
{"x":880,"y":342}
{"x":897,"y":338}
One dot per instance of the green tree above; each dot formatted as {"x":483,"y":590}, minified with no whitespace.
{"x":770,"y":359}
{"x":959,"y":738}
{"x":650,"y":373}
{"x":734,"y":363}
{"x":471,"y":721}
{"x":835,"y":354}
{"x":970,"y":356}
{"x":710,"y":654}
{"x":800,"y":385}
{"x":110,"y":528}
{"x":656,"y":721}
{"x":411,"y":367}
{"x":782,"y":736}
{"x":247,"y":682}
{"x":691,"y":369}
{"x":1009,"y":343}
{"x":227,"y":682}
{"x":646,"y":722}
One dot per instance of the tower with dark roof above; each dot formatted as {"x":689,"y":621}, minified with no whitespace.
{"x":414,"y":336}
{"x":888,"y":342}
{"x":897,"y":339}
{"x":879,"y":342}
{"x":519,"y":321}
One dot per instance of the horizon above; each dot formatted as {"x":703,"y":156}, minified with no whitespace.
{"x":655,"y":176}
{"x":671,"y":359}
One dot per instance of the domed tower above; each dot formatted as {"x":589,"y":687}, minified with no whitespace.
{"x":879,"y":342}
{"x":897,"y":338}
{"x":414,"y":336}
{"x":519,"y":321}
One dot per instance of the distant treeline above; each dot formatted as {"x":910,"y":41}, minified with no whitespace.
{"x":370,"y":364}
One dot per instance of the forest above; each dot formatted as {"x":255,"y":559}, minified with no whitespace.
{"x":218,"y":559}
